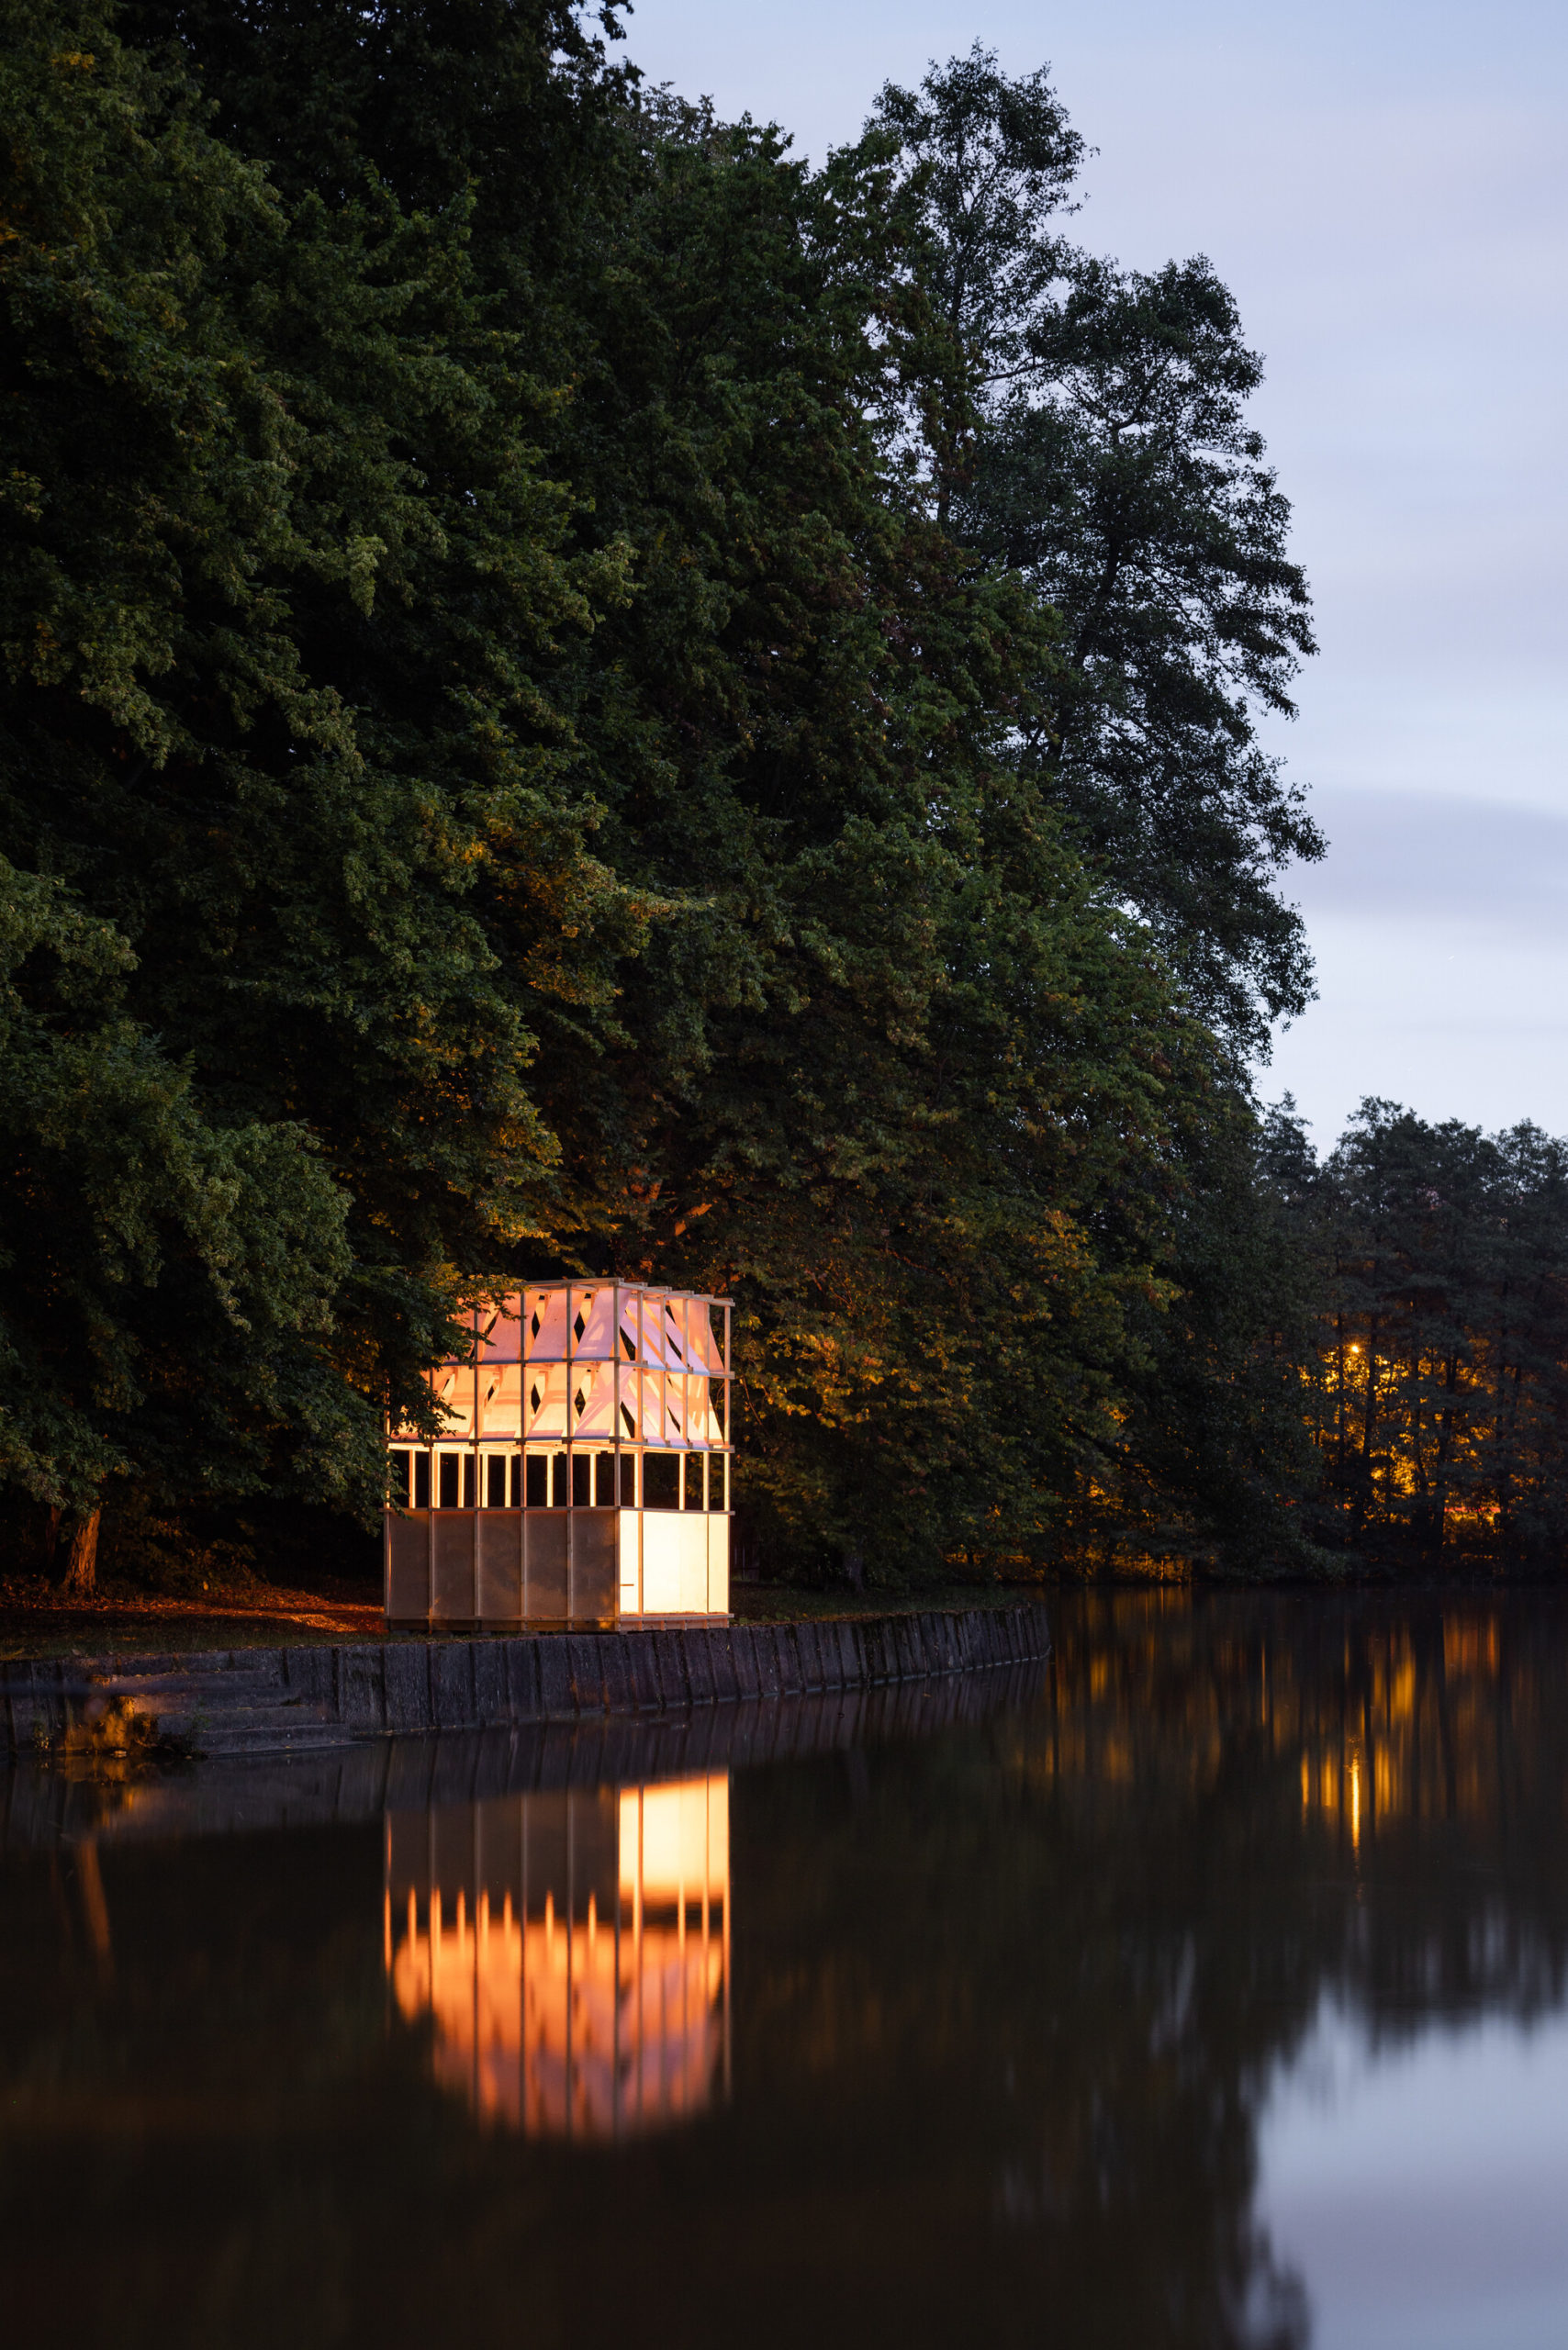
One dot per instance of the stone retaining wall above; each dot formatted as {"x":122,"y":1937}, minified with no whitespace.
{"x":295,"y":1699}
{"x":41,"y":1807}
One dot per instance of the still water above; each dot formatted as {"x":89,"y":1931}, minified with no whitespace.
{"x":1204,"y":1988}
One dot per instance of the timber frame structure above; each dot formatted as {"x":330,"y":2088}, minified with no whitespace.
{"x":582,"y":1477}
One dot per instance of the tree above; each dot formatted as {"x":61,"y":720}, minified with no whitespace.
{"x":1441,"y":1393}
{"x":280,"y":582}
{"x":1085,"y":425}
{"x":166,"y":1284}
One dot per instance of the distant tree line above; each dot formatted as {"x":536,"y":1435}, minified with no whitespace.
{"x":1437,"y":1384}
{"x":578,"y":693}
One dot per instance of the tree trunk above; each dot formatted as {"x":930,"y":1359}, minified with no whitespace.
{"x":82,"y":1567}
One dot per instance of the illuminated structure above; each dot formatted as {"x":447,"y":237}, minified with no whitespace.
{"x":583,"y":1474}
{"x":571,"y":1951}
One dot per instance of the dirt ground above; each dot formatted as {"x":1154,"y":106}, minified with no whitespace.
{"x":36,"y":1621}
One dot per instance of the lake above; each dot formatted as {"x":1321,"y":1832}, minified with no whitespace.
{"x":1206,"y":1987}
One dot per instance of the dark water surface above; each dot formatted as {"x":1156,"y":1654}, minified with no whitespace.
{"x":1205,"y":1988}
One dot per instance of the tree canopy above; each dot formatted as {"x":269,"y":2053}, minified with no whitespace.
{"x":580,"y":694}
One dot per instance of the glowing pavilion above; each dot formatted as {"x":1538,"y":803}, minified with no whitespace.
{"x":582,"y":1477}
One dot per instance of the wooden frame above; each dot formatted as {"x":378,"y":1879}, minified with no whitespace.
{"x":585,"y":1480}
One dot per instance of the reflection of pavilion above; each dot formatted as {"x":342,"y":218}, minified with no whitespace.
{"x":571,"y":1950}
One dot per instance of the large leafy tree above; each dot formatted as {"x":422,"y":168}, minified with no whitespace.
{"x":1087,"y":425}
{"x":280,"y":577}
{"x":889,"y":1066}
{"x":492,"y":684}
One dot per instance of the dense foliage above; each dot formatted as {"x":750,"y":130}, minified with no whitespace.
{"x":579,"y":693}
{"x":1438,"y":1385}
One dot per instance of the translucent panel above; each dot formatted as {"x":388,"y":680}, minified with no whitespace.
{"x":694,"y":1565}
{"x":629,"y":1311}
{"x":501,"y":1399}
{"x":592,"y":1388}
{"x":673,"y":1325}
{"x":501,"y":1330}
{"x":662,"y":1337}
{"x":651,"y":1415}
{"x":595,"y":1309}
{"x":626,"y":1389}
{"x":700,"y":1428}
{"x":544,"y":1399}
{"x":704,"y":1351}
{"x":675,"y":1409}
{"x":453,"y":1388}
{"x":544,"y":1326}
{"x":661,"y":1563}
{"x":718,"y":1560}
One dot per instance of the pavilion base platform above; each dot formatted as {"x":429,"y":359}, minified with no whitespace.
{"x":558,"y":1570}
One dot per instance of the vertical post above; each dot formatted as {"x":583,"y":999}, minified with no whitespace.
{"x":683,"y":1332}
{"x":478,"y":1501}
{"x":571,"y":1345}
{"x":614,"y":1376}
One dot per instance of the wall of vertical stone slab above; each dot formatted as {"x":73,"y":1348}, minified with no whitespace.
{"x":292,"y":1699}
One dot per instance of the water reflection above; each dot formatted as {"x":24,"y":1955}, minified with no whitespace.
{"x":1210,"y":1995}
{"x":571,"y":1951}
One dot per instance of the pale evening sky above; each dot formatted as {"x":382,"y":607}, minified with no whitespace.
{"x":1385,"y":187}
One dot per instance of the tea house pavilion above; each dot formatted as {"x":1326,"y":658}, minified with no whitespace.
{"x":582,"y":1475}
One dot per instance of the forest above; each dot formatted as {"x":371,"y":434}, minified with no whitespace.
{"x":580,"y":693}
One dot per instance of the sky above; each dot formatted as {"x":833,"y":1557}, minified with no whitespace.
{"x":1384,"y":187}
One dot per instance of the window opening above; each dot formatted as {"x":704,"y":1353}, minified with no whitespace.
{"x":446,"y":1488}
{"x":661,"y":1481}
{"x":604,"y":1480}
{"x":628,"y":1480}
{"x":496,"y":1481}
{"x":693,"y":1481}
{"x":717,"y":1479}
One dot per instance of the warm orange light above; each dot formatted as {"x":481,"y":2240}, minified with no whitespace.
{"x":598,"y":2018}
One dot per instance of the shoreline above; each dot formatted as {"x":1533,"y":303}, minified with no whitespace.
{"x":297,"y":1698}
